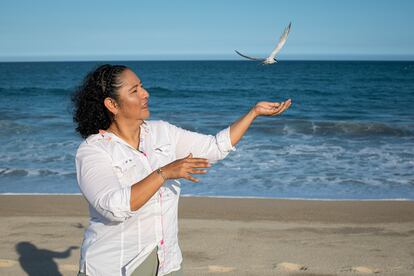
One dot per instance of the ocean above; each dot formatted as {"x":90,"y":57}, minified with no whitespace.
{"x":349,"y":133}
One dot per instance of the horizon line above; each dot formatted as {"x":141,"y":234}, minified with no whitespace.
{"x":204,"y":57}
{"x":180,"y":60}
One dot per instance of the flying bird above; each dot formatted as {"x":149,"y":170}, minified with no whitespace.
{"x":272,"y":57}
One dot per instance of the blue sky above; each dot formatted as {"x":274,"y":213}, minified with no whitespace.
{"x":210,"y":29}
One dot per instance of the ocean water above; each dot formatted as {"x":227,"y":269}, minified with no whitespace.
{"x":349,"y":133}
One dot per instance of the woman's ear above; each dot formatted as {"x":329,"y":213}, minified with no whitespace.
{"x":111,"y":105}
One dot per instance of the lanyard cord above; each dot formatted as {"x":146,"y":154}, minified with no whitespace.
{"x":141,"y":149}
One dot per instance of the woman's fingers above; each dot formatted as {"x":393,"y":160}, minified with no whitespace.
{"x":275,"y":105}
{"x":279,"y":108}
{"x":198,"y":163}
{"x":183,"y":168}
{"x":288,"y":103}
{"x":271,"y":108}
{"x":189,"y":177}
{"x":270,"y":105}
{"x":285,"y":105}
{"x":278,"y":111}
{"x":192,"y":164}
{"x":193,"y":160}
{"x":197,"y":160}
{"x":193,"y":171}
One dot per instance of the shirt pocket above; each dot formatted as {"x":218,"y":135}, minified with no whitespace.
{"x":163,"y":153}
{"x":126,"y":170}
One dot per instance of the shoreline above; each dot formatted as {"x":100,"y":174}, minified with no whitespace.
{"x":238,"y":197}
{"x":244,"y":209}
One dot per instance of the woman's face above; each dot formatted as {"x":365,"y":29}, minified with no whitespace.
{"x":133,"y":98}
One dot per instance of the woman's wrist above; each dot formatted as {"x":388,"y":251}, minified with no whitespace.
{"x":162,"y":173}
{"x":252,"y":113}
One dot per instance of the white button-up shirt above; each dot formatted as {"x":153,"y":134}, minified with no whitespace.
{"x":117,"y":239}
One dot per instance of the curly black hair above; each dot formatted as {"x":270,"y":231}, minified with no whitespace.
{"x":89,"y":111}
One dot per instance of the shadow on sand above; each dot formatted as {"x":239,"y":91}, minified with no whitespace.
{"x":37,"y":261}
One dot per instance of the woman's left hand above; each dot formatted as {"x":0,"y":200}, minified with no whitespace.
{"x":271,"y":108}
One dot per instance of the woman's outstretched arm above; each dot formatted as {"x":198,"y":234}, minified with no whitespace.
{"x":239,"y":127}
{"x":217,"y":147}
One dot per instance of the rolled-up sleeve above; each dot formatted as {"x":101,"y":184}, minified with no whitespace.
{"x":100,"y":185}
{"x":213,"y":147}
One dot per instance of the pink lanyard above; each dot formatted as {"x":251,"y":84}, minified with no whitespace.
{"x":141,"y":149}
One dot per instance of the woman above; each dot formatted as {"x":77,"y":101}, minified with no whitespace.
{"x":128,"y":170}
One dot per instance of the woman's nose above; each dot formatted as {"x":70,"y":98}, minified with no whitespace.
{"x":146,"y":94}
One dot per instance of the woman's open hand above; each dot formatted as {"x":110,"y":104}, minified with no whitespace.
{"x":183,"y":168}
{"x":271,"y":108}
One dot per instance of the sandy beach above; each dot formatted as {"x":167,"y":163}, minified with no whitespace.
{"x":41,"y":235}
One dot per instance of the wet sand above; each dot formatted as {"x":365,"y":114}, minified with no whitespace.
{"x":40,"y":235}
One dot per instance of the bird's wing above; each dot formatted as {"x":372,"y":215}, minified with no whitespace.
{"x":281,"y":42}
{"x":251,"y":58}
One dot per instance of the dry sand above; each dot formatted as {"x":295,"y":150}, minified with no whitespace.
{"x":40,"y":235}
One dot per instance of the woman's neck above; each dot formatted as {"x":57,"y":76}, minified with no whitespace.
{"x":129,"y":132}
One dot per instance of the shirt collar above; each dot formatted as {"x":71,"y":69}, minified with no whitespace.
{"x":145,"y":126}
{"x":112,"y":137}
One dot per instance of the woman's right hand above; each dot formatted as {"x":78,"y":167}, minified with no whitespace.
{"x":183,"y":168}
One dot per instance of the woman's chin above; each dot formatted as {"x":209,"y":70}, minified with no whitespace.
{"x":146,"y":113}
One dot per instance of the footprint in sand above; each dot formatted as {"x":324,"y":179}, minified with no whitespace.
{"x":361,"y":269}
{"x":220,"y":269}
{"x":290,"y":267}
{"x":7,"y":263}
